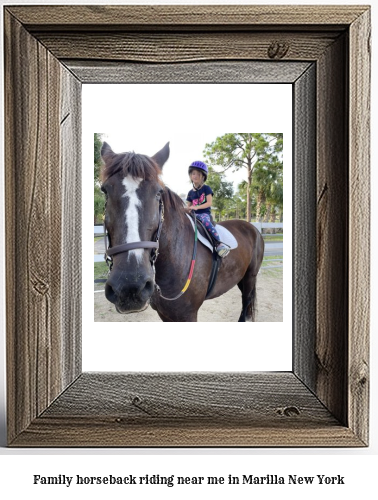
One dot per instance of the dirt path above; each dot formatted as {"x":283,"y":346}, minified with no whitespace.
{"x":222,"y":309}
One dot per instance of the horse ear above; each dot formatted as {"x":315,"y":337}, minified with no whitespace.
{"x":162,"y":156}
{"x":106,"y":151}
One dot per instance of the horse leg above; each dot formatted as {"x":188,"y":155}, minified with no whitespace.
{"x":247,"y":286}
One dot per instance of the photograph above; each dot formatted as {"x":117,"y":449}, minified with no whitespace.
{"x":223,"y":224}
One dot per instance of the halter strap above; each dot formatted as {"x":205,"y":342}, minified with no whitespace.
{"x":132,"y":246}
{"x":125,"y":247}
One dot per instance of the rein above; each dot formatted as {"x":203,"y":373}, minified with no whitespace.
{"x":191,"y":267}
{"x":154,"y":245}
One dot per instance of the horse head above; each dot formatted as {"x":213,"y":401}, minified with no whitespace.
{"x":133,"y":189}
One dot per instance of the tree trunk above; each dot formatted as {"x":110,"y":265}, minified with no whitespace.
{"x":268,"y":212}
{"x":273,"y":217}
{"x":267,"y":217}
{"x":259,"y":203}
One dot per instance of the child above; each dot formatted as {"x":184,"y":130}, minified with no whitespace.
{"x":200,"y":199}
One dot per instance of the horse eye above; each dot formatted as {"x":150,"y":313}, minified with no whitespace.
{"x":158,"y":195}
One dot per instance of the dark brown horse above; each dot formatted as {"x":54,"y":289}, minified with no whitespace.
{"x":139,"y":211}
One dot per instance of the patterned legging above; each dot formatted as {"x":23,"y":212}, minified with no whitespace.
{"x":206,"y":221}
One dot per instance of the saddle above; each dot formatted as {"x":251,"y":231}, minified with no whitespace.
{"x":210,"y":242}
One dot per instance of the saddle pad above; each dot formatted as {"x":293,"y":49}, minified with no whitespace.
{"x":224,"y":235}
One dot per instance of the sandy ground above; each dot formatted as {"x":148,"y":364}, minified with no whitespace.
{"x":226,"y":308}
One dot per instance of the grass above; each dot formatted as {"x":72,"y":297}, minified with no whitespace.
{"x":270,"y":238}
{"x":100,"y":270}
{"x":276,"y":272}
{"x":97,"y":238}
{"x":273,"y":257}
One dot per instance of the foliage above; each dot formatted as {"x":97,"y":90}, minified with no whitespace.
{"x":99,"y":198}
{"x":100,"y":270}
{"x":268,"y":182}
{"x":222,"y":189}
{"x":97,"y":157}
{"x":245,"y":150}
{"x":99,"y":205}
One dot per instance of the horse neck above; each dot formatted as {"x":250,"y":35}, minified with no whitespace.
{"x":175,"y":243}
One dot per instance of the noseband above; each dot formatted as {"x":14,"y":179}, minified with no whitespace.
{"x":125,"y":247}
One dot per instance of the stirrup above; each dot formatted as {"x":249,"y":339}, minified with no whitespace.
{"x":223,"y":250}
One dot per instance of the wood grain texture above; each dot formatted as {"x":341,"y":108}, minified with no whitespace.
{"x":304,"y":227}
{"x":215,"y":396}
{"x":359,"y":234}
{"x":31,"y":195}
{"x":100,"y":432}
{"x":214,"y":72}
{"x":180,"y":47}
{"x":194,"y":409}
{"x":184,"y":16}
{"x":71,"y":174}
{"x":34,"y":207}
{"x":324,"y":402}
{"x":332,"y":230}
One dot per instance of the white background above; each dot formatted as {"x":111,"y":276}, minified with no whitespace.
{"x":189,"y":117}
{"x":143,"y":118}
{"x":357,"y":465}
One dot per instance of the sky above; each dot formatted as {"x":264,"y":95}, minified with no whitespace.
{"x":143,"y":118}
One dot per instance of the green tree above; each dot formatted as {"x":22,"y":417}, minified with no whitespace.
{"x":97,"y":157}
{"x":234,"y":151}
{"x":99,"y":198}
{"x":275,"y":201}
{"x":242,"y":195}
{"x":99,"y":205}
{"x":222,"y":189}
{"x":239,"y":205}
{"x":268,"y":181}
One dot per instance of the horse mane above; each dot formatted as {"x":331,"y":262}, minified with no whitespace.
{"x":144,"y":167}
{"x":136,"y":165}
{"x":173,"y":203}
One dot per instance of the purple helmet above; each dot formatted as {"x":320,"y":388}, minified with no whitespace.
{"x":199,"y":165}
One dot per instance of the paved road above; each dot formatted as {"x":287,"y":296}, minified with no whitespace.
{"x":273,"y":248}
{"x":99,"y":246}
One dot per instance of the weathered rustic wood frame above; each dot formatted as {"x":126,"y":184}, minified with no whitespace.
{"x":49,"y":52}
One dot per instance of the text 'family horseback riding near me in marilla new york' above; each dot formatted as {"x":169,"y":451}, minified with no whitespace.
{"x":172,"y":480}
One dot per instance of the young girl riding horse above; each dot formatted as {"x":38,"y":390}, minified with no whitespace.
{"x":200,"y":199}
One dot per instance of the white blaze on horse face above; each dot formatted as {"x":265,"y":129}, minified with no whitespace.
{"x":132,"y":214}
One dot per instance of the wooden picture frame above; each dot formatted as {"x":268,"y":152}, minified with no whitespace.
{"x":323,"y":51}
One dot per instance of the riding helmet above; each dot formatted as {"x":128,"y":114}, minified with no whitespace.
{"x":199,"y":165}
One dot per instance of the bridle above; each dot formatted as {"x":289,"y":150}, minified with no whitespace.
{"x":125,"y":247}
{"x":154,"y":245}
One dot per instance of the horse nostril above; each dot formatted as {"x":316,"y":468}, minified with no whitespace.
{"x":146,"y":290}
{"x":149,"y":287}
{"x":109,"y":293}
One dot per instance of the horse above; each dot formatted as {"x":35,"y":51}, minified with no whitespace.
{"x":151,"y":242}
